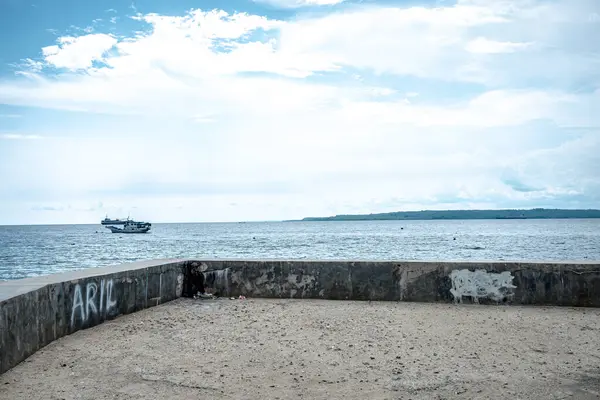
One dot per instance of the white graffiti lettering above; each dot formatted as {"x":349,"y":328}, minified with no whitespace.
{"x":90,"y":293}
{"x":110,"y":303}
{"x":101,"y":294}
{"x":77,"y":304}
{"x":93,"y":304}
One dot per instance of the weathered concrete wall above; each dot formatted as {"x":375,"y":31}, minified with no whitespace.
{"x":561,"y":284}
{"x":36,"y":311}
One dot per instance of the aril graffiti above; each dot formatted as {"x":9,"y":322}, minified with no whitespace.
{"x":97,"y":299}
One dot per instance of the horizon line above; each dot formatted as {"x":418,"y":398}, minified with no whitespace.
{"x":302,"y":219}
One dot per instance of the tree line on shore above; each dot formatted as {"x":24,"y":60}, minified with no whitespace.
{"x":536,"y":213}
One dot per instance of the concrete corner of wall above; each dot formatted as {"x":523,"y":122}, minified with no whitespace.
{"x":33,"y":318}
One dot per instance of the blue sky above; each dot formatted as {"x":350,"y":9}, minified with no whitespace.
{"x":280,"y":109}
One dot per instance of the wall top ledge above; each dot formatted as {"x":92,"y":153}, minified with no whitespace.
{"x":16,"y":287}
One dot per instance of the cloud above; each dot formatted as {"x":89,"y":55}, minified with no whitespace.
{"x":489,"y":109}
{"x":47,"y":208}
{"x":520,"y":186}
{"x":435,"y":42}
{"x":28,"y":67}
{"x":470,"y":41}
{"x":486,"y":46}
{"x":204,"y":118}
{"x":477,"y":103}
{"x":18,"y":136}
{"x":300,"y":3}
{"x":75,"y":53}
{"x":197,"y":59}
{"x":196,"y":62}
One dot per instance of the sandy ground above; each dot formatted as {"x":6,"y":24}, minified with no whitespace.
{"x":304,"y":349}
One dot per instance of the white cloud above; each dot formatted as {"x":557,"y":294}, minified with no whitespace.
{"x":486,"y":46}
{"x":202,"y":25}
{"x":289,"y":118}
{"x":273,"y":175}
{"x":204,"y":118}
{"x":496,"y":108}
{"x":78,"y":52}
{"x":28,"y":66}
{"x":18,"y":136}
{"x":300,"y":3}
{"x":435,"y":42}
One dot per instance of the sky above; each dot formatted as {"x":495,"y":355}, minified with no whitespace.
{"x":251,"y":110}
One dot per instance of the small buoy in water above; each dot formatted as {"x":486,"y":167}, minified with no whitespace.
{"x":401,"y":227}
{"x":454,"y":239}
{"x":253,"y":237}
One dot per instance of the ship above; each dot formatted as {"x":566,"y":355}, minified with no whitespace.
{"x":108,"y":221}
{"x":131,"y":227}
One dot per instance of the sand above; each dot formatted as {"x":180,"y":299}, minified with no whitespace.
{"x":308,"y":349}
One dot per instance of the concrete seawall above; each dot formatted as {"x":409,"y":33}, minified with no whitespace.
{"x":560,"y":284}
{"x":36,"y":311}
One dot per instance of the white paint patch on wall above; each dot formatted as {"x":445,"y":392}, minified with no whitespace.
{"x":481,"y":284}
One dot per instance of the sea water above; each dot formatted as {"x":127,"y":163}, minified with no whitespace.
{"x":27,"y":251}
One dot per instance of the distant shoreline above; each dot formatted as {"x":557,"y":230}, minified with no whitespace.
{"x":507,"y":214}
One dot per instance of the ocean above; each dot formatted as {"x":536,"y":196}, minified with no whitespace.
{"x":27,"y":251}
